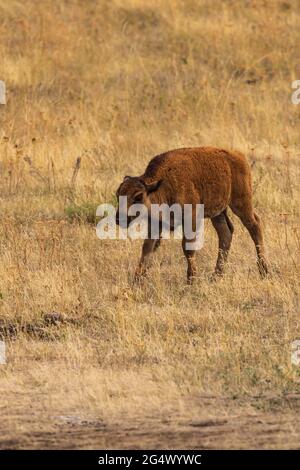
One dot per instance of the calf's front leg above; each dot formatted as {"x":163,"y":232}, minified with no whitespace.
{"x":149,"y":246}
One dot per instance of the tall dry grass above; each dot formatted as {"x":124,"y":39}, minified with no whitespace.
{"x":113,"y":83}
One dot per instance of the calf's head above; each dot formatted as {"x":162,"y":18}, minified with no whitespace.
{"x":137,"y":192}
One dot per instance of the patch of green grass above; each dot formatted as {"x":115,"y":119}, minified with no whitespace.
{"x":85,"y":212}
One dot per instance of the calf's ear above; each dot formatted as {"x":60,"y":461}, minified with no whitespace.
{"x":153,"y":186}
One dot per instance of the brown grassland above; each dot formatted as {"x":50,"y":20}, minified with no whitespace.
{"x":92,"y":360}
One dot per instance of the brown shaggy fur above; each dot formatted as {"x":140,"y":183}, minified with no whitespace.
{"x":211,"y":176}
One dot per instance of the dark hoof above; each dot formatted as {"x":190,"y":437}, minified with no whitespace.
{"x":139,"y":278}
{"x":215,"y":276}
{"x":263,"y":269}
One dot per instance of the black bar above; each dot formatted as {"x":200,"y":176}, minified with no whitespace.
{"x":158,"y":458}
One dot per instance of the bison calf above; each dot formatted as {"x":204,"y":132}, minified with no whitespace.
{"x":211,"y":176}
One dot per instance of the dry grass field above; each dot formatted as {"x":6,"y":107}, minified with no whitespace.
{"x":92,"y":360}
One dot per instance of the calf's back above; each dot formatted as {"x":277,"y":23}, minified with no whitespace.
{"x":206,"y":175}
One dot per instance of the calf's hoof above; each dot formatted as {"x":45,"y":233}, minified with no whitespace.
{"x":263,"y":268}
{"x":215,"y":276}
{"x":139,"y":277}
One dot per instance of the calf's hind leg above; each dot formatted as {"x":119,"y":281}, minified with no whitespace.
{"x":224,"y":229}
{"x":252,"y":223}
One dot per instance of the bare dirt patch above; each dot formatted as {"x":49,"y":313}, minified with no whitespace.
{"x":257,"y":423}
